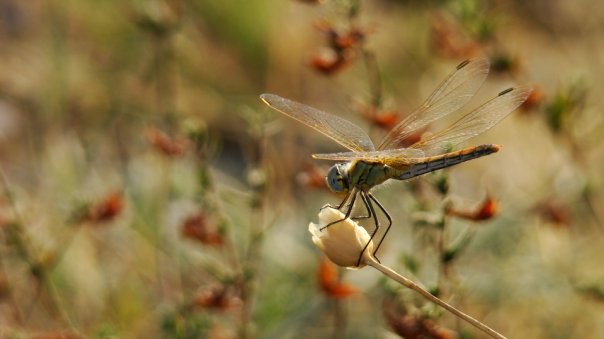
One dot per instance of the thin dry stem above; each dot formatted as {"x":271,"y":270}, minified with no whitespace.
{"x":410,"y":284}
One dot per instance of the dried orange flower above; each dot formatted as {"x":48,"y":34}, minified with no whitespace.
{"x":487,"y":210}
{"x":412,"y":138}
{"x":217,"y":298}
{"x":328,"y":64}
{"x":450,"y":39}
{"x":533,"y":100}
{"x":383,"y":119}
{"x":106,"y":210}
{"x":164,"y":144}
{"x":197,"y":227}
{"x":341,"y":41}
{"x":312,"y":176}
{"x":328,"y":281}
{"x":412,"y":327}
{"x":386,"y":120}
{"x":341,"y":48}
{"x":555,"y":212}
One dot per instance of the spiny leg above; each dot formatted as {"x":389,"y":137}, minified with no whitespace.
{"x":340,"y":205}
{"x":348,"y":211}
{"x":387,"y":216}
{"x":369,"y":207}
{"x":369,"y":214}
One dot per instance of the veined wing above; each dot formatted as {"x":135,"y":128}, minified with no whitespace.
{"x":392,"y":157}
{"x":451,"y":95}
{"x":475,"y":122}
{"x":340,"y":130}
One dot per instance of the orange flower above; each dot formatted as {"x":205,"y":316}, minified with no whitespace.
{"x":386,"y":120}
{"x":555,"y":212}
{"x":312,"y":176}
{"x":341,"y":41}
{"x":413,"y":138}
{"x":196,"y":227}
{"x":533,"y":100}
{"x":328,"y":65}
{"x":450,"y":39}
{"x":216,"y":298}
{"x":341,"y":48}
{"x":350,"y":39}
{"x":383,"y":119}
{"x":162,"y":143}
{"x":328,"y":281}
{"x":486,"y":211}
{"x":412,"y":327}
{"x":106,"y":210}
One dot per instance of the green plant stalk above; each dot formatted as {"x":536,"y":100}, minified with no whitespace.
{"x":444,"y":266}
{"x":374,"y":78}
{"x":257,"y":229}
{"x":38,"y":270}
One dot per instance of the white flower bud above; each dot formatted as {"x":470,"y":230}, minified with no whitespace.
{"x":341,"y":242}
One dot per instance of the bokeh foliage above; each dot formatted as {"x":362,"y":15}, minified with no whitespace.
{"x":148,"y":192}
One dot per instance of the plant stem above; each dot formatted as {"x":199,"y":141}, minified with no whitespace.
{"x":38,"y":270}
{"x":442,"y":272}
{"x":374,"y":78}
{"x":410,"y":284}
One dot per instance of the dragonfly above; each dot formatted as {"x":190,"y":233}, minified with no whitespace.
{"x":365,"y":166}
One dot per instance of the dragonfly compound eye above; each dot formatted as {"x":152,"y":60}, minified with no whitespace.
{"x":335,"y":179}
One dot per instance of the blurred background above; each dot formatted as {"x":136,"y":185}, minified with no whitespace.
{"x":148,"y":192}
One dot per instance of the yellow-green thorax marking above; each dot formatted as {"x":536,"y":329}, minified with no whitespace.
{"x":364,"y":175}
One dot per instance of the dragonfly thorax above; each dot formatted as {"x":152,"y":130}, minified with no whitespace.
{"x":337,"y":177}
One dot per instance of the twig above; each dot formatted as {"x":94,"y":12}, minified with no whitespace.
{"x":410,"y":284}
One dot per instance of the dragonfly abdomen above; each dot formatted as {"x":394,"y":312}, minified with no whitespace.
{"x":445,"y":160}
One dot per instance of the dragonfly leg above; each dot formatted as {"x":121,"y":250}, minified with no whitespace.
{"x":371,"y":210}
{"x":340,"y":205}
{"x":387,"y":216}
{"x":348,"y":211}
{"x":369,"y":214}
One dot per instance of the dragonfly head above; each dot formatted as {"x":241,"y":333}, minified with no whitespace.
{"x":337,"y":177}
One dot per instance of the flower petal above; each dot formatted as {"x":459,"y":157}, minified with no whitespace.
{"x":342,"y":242}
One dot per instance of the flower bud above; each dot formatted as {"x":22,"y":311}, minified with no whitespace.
{"x":342,"y":242}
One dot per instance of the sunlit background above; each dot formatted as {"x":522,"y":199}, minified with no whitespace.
{"x":148,"y":192}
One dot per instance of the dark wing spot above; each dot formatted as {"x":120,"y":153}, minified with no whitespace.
{"x":505,"y":91}
{"x":463,"y":64}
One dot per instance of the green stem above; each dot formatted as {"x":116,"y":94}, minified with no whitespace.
{"x":39,"y":271}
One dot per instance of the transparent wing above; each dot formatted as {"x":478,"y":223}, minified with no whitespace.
{"x":475,"y":122}
{"x":392,"y":157}
{"x":342,"y":131}
{"x":451,"y":95}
